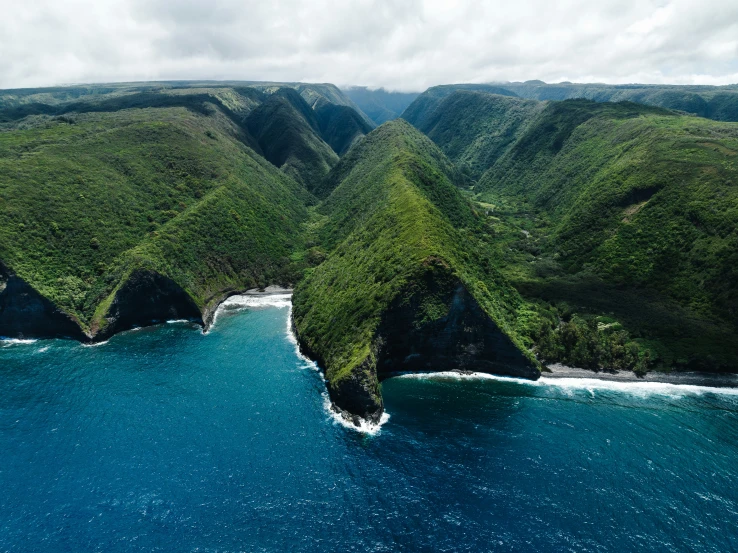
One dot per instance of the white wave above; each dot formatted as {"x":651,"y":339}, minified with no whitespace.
{"x":94,"y":344}
{"x":307,"y":362}
{"x":252,"y":301}
{"x":637,"y":388}
{"x":587,"y":384}
{"x":177,"y":321}
{"x":364,"y":427}
{"x":44,"y":349}
{"x":7,"y":342}
{"x":258,"y":301}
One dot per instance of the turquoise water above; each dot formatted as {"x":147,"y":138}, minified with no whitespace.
{"x":165,"y":439}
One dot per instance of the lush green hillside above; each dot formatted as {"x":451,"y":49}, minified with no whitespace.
{"x":380,"y":105}
{"x":423,"y":109}
{"x":341,"y":126}
{"x":314,"y":94}
{"x":631,"y":214}
{"x":288,"y":133}
{"x":714,"y":102}
{"x":163,"y":205}
{"x":405,"y":283}
{"x":601,"y":235}
{"x":475,"y":128}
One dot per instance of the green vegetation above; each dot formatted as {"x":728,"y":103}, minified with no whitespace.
{"x":394,"y":217}
{"x":423,"y":109}
{"x":288,"y":134}
{"x":601,"y":235}
{"x":713,"y":102}
{"x":606,"y":211}
{"x":630,"y":212}
{"x":86,"y":199}
{"x":475,"y":128}
{"x":341,"y":126}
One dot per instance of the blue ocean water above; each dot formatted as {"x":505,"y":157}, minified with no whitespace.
{"x":165,"y":439}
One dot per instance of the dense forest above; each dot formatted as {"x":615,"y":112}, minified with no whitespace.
{"x":498,"y":228}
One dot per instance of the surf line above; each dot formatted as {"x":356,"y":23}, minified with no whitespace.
{"x":577,"y":383}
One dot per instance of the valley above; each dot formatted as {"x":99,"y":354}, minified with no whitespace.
{"x":488,"y":229}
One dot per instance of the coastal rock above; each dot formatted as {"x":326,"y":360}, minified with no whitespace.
{"x":358,"y":395}
{"x":465,"y":339}
{"x":146,"y":297}
{"x":26,"y":313}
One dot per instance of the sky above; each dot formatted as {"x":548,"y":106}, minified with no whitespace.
{"x":404,"y":45}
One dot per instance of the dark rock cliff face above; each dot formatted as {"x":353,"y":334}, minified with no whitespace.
{"x":24,"y":313}
{"x":464,"y":339}
{"x":145,"y":298}
{"x":357,"y":395}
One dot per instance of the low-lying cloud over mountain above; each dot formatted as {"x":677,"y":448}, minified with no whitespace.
{"x":405,"y":45}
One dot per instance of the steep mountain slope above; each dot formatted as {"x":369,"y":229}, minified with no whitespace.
{"x":380,"y":105}
{"x":475,"y":128}
{"x":117,"y":218}
{"x":404,"y":285}
{"x":628,"y":201}
{"x":341,"y":126}
{"x":424,"y":107}
{"x":288,"y":133}
{"x":315,"y":94}
{"x":713,"y":102}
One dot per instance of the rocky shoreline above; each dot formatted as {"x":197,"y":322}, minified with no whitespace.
{"x":714,"y":380}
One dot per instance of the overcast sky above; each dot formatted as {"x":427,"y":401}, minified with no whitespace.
{"x":398,"y":44}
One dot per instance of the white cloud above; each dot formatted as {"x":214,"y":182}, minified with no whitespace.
{"x":406,"y":45}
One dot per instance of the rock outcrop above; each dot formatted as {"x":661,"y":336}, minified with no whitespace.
{"x":145,"y":298}
{"x":24,"y":313}
{"x":436,"y":325}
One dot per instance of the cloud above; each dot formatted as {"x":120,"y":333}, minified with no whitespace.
{"x":407,"y":45}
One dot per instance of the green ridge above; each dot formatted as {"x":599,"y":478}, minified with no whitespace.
{"x":86,"y":198}
{"x":626,"y":201}
{"x":713,"y":102}
{"x":475,"y":128}
{"x":393,"y":216}
{"x":288,"y":133}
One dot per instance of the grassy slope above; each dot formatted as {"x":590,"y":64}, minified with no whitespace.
{"x":82,"y":204}
{"x":341,"y":126}
{"x":423,"y":109}
{"x":394,"y":210}
{"x":627,"y":204}
{"x":475,"y":128}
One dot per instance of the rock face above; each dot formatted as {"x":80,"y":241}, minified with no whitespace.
{"x":26,"y":313}
{"x":464,"y":339}
{"x":358,"y":395}
{"x":147,"y":297}
{"x":437,"y":325}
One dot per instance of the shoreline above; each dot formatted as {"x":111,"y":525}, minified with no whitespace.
{"x":713,"y":380}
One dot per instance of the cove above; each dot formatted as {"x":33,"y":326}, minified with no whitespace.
{"x":168,"y":439}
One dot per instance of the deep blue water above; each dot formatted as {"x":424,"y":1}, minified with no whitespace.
{"x":165,"y":439}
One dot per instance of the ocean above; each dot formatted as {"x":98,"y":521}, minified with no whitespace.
{"x":168,"y":439}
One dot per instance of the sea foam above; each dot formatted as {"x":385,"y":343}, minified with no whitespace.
{"x":587,"y":384}
{"x":241,"y":302}
{"x":7,"y":342}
